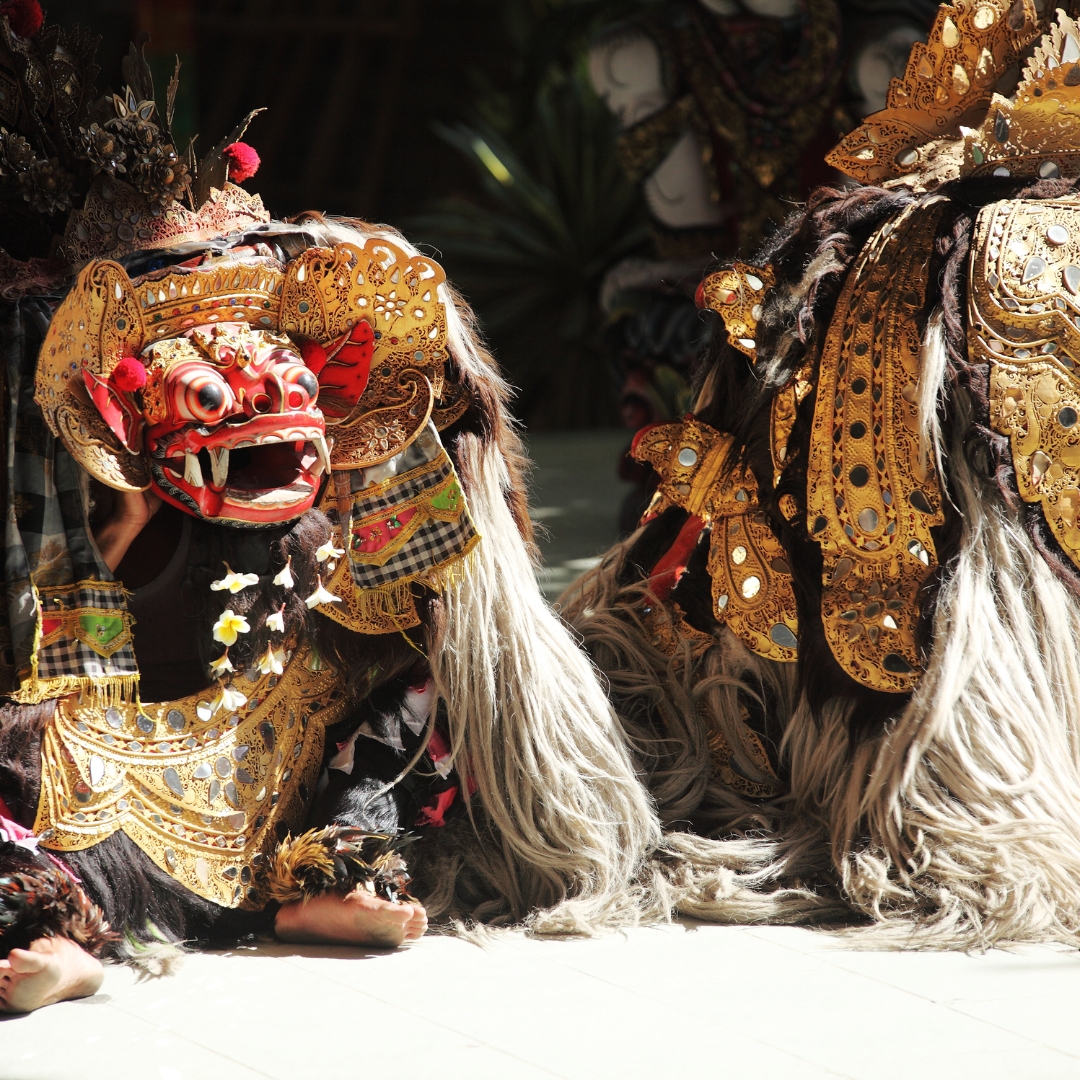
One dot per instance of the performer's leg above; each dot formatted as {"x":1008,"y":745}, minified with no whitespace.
{"x":356,"y":800}
{"x":52,"y":935}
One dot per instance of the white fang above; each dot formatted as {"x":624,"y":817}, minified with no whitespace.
{"x":193,"y":470}
{"x":219,"y":466}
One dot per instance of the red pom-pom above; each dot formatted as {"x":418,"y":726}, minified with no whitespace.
{"x":129,"y":375}
{"x":23,"y":16}
{"x":243,"y":161}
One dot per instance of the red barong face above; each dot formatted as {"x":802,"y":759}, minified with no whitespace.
{"x":230,"y":425}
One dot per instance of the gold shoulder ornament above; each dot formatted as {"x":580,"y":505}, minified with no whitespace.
{"x":751,"y":579}
{"x":1022,"y":320}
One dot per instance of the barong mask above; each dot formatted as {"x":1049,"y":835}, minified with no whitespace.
{"x":185,"y":382}
{"x":231,"y":426}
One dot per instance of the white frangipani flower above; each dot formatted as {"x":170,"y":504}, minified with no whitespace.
{"x":229,"y":627}
{"x":221,"y":664}
{"x":276,"y":621}
{"x":229,"y":699}
{"x":328,"y":551}
{"x":322,"y":596}
{"x":272,"y":662}
{"x":233,"y":581}
{"x":285,"y":576}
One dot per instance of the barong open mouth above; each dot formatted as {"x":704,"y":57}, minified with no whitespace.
{"x":259,"y":471}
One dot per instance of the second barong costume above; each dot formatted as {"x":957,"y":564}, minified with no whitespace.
{"x":843,"y":641}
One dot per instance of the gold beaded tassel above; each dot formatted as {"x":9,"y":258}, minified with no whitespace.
{"x":872,"y":495}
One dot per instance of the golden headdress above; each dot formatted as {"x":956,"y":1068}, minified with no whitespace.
{"x":948,"y":117}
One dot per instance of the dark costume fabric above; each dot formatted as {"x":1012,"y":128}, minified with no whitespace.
{"x":46,"y":543}
{"x":841,"y":640}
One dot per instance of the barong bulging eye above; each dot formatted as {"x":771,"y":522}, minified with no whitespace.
{"x":197,"y":393}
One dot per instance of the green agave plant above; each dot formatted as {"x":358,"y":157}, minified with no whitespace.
{"x":559,"y":214}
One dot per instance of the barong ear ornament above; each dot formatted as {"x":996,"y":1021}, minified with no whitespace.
{"x":736,"y":295}
{"x":328,"y":292}
{"x":1036,"y":133}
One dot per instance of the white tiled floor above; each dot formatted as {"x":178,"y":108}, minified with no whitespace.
{"x":678,"y":1001}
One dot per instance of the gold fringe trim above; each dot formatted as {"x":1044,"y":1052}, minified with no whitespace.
{"x":454,"y":570}
{"x":97,"y":691}
{"x":103,"y":693}
{"x":392,"y":600}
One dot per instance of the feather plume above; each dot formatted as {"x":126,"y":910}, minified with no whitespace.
{"x":339,"y":859}
{"x":45,"y":902}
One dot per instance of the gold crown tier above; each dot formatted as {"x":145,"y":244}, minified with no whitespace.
{"x":948,"y":81}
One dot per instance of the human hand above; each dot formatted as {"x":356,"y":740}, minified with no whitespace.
{"x":131,"y":511}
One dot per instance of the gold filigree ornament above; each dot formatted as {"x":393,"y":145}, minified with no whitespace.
{"x":751,"y":579}
{"x":1023,"y":309}
{"x":327,"y":291}
{"x":321,"y":295}
{"x":872,"y":494}
{"x":726,"y":764}
{"x":950,"y":80}
{"x":669,"y":633}
{"x":736,"y":295}
{"x":688,"y":457}
{"x":783,"y":412}
{"x":203,"y":785}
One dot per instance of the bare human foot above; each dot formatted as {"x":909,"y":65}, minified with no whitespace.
{"x":356,"y":919}
{"x":53,"y":969}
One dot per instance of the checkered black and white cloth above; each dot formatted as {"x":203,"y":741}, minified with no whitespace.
{"x":47,"y":543}
{"x":434,"y":544}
